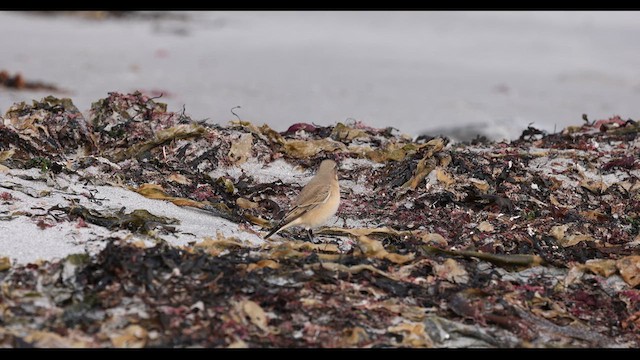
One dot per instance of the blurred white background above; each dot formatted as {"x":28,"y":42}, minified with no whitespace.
{"x":488,"y":72}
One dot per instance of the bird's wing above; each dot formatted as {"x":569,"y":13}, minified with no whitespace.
{"x":306,"y":201}
{"x":311,"y":195}
{"x":309,"y":198}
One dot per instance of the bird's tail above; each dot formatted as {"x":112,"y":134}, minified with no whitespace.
{"x":274,"y":230}
{"x":287,"y":221}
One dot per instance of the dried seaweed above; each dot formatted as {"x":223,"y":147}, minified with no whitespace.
{"x":18,"y":82}
{"x":138,"y":220}
{"x":525,"y":243}
{"x":498,"y":259}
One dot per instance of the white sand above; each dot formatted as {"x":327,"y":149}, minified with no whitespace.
{"x":414,"y":71}
{"x":266,"y":173}
{"x":23,"y":241}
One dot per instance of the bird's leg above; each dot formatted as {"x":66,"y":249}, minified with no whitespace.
{"x":310,"y":233}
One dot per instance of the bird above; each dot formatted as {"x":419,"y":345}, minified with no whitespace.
{"x":317,"y":202}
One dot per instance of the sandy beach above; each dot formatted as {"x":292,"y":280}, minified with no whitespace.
{"x":451,"y":72}
{"x":130,"y":221}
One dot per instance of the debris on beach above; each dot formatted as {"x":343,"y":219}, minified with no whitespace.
{"x":18,"y":82}
{"x":528,"y":243}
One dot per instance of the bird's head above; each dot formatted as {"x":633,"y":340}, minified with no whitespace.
{"x":328,"y":167}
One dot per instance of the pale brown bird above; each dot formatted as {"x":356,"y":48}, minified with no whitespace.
{"x":317,"y":202}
